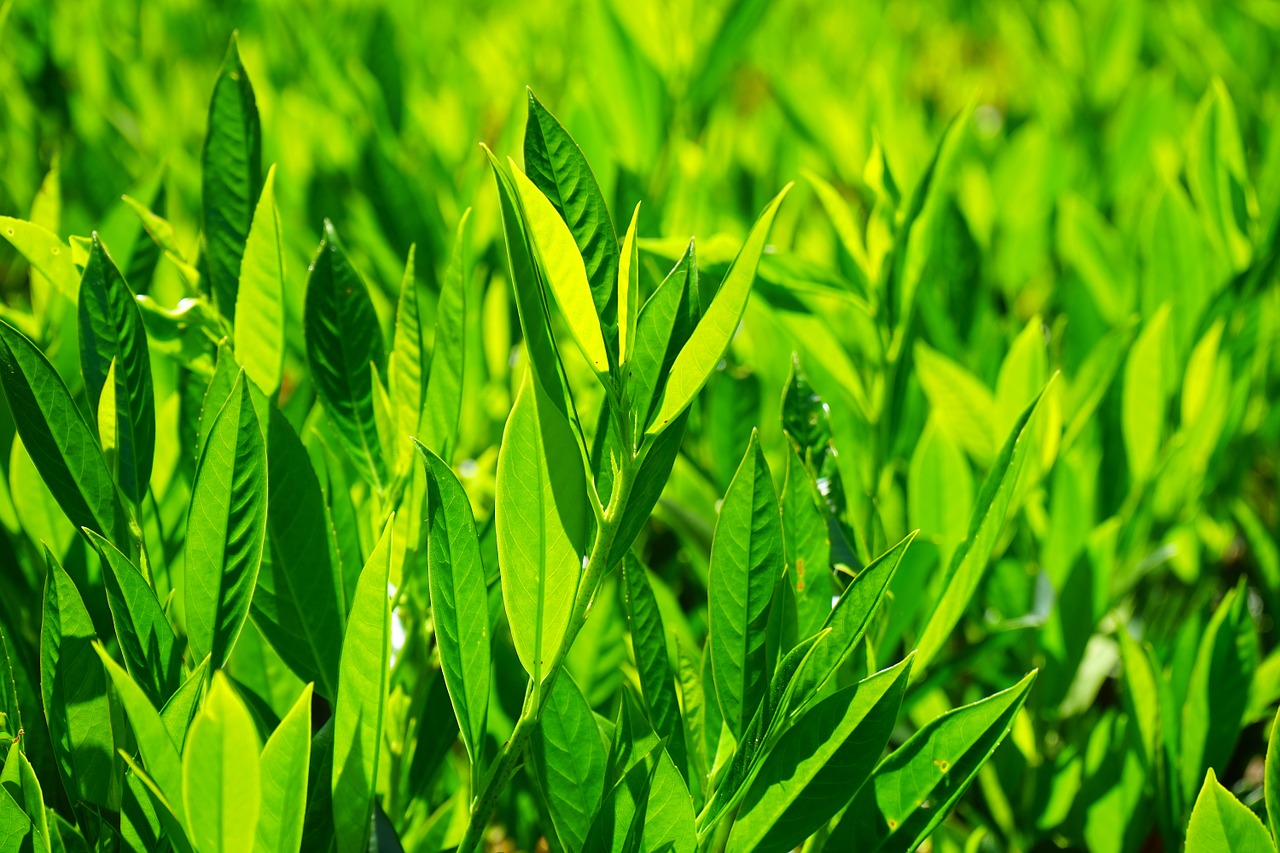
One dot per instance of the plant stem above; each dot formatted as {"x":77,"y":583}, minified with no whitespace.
{"x":505,"y":765}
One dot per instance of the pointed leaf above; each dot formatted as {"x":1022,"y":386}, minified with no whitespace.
{"x":220,"y":782}
{"x":457,"y":581}
{"x":439,"y":417}
{"x":746,"y":562}
{"x":628,"y":291}
{"x":284,"y":763}
{"x":541,"y":518}
{"x":649,"y":645}
{"x":343,"y":340}
{"x":226,"y":528}
{"x":231,"y":179}
{"x":1222,"y":824}
{"x":362,"y":701}
{"x":569,"y":761}
{"x":45,"y":251}
{"x":714,"y":332}
{"x":260,"y":299}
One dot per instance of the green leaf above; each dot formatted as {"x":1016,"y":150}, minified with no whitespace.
{"x":1271,"y":783}
{"x":650,"y":480}
{"x":1218,"y":690}
{"x":1143,"y":403}
{"x":284,"y":764}
{"x":19,"y":782}
{"x":649,"y":645}
{"x":962,"y":404}
{"x":226,"y":528}
{"x":60,"y":441}
{"x":711,"y":337}
{"x":746,"y":562}
{"x":541,"y":516}
{"x":438,"y":425}
{"x":1217,"y":173}
{"x":74,"y":690}
{"x":628,"y":291}
{"x":665,"y":322}
{"x":819,"y":764}
{"x":362,"y":701}
{"x":298,"y":602}
{"x":807,"y":546}
{"x":456,"y":578}
{"x":156,"y":741}
{"x":918,"y":785}
{"x":969,"y":562}
{"x":407,"y":378}
{"x":151,"y":652}
{"x":568,"y":760}
{"x":231,"y":179}
{"x":563,"y":269}
{"x":111,"y":331}
{"x":558,"y":168}
{"x":852,"y":615}
{"x":45,"y":251}
{"x":343,"y":340}
{"x":259,"y":331}
{"x":1222,"y":824}
{"x":220,"y":782}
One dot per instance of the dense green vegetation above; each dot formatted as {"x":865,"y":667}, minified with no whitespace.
{"x":368,"y":488}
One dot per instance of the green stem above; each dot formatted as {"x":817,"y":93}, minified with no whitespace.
{"x":507,"y":761}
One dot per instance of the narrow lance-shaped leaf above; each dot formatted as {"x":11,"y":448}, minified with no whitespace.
{"x":746,"y":561}
{"x":970,"y":559}
{"x":18,"y":780}
{"x":819,"y":764}
{"x":714,"y":332}
{"x":343,"y":340}
{"x":541,"y":516}
{"x":226,"y":528}
{"x":362,"y":701}
{"x":568,"y":760}
{"x":284,"y":764}
{"x":1271,"y":783}
{"x":260,"y":299}
{"x":111,"y":331}
{"x":807,"y":546}
{"x":664,"y":324}
{"x":628,"y":291}
{"x":220,"y":782}
{"x":563,"y":269}
{"x":231,"y":178}
{"x":456,"y":578}
{"x":74,"y":690}
{"x":557,"y":167}
{"x":918,"y":785}
{"x":151,"y":652}
{"x":297,"y":602}
{"x":61,"y":443}
{"x":438,"y":425}
{"x":649,"y":644}
{"x":408,"y":364}
{"x":535,"y":325}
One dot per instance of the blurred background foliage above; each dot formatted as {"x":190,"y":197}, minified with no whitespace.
{"x":1108,"y":200}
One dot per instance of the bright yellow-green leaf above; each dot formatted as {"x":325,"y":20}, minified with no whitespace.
{"x":220,"y":783}
{"x":260,"y":299}
{"x":628,"y":291}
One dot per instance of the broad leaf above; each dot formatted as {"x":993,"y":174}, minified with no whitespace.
{"x":563,"y":269}
{"x":111,"y":332}
{"x":220,"y":782}
{"x":714,"y":332}
{"x":1222,"y":824}
{"x":459,"y":601}
{"x":558,"y":168}
{"x":74,"y":689}
{"x":568,"y":760}
{"x":260,"y":310}
{"x":61,"y":443}
{"x":284,"y":764}
{"x":343,"y":340}
{"x":151,"y":652}
{"x":541,"y":516}
{"x":746,"y":562}
{"x":231,"y":179}
{"x":362,"y":701}
{"x":298,"y":602}
{"x":226,"y":528}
